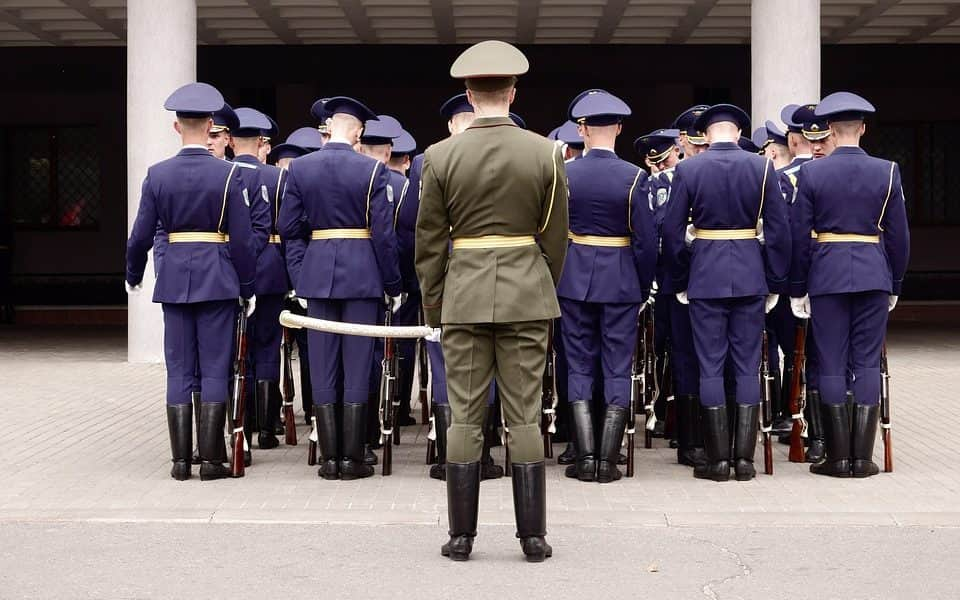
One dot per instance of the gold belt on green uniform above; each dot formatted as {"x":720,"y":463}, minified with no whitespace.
{"x":494,"y":241}
{"x":606,"y":241}
{"x":208,"y":237}
{"x":828,"y":237}
{"x":725,"y":234}
{"x":340,"y":234}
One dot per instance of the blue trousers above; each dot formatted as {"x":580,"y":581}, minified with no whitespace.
{"x":686,"y":370}
{"x":438,"y":375}
{"x":265,"y":333}
{"x":332,"y":355}
{"x":728,"y":328}
{"x":849,"y":329}
{"x":197,"y":348}
{"x":607,"y":331}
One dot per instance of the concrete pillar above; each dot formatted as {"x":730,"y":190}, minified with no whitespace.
{"x":161,"y":56}
{"x":785,"y":56}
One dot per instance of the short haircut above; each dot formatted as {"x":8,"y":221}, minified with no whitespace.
{"x":193,"y":123}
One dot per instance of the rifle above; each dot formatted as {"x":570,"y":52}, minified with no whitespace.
{"x":389,"y":398}
{"x":798,"y":394}
{"x":313,"y":439}
{"x":238,"y":439}
{"x":424,"y":378}
{"x":766,"y":408}
{"x":637,"y":385}
{"x":649,"y":366}
{"x":885,"y":411}
{"x":548,"y":397}
{"x":289,"y":420}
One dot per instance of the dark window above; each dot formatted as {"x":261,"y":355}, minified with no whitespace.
{"x":925,"y":154}
{"x":53,"y":177}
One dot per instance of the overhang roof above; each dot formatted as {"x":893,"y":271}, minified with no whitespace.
{"x":222,"y":22}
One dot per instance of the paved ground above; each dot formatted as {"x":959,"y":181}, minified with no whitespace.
{"x":85,"y":472}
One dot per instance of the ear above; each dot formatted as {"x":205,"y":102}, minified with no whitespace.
{"x":619,"y":128}
{"x":863,"y":128}
{"x":208,"y":126}
{"x":470,"y":99}
{"x":450,"y":126}
{"x":582,"y":130}
{"x":513,"y":95}
{"x":177,"y":128}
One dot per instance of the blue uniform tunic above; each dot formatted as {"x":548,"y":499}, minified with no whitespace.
{"x":343,"y":278}
{"x":602,"y":287}
{"x":849,"y":192}
{"x":725,"y":188}
{"x":198,"y":282}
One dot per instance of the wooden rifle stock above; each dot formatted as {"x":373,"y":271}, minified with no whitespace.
{"x":237,"y":468}
{"x":289,"y":420}
{"x":766,"y":409}
{"x":885,"y":412}
{"x":798,"y":395}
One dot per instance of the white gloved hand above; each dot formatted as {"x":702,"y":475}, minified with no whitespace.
{"x":690,"y":235}
{"x":301,"y":301}
{"x":801,"y":307}
{"x":892,"y":303}
{"x":772,"y":300}
{"x":682,"y":297}
{"x":133,"y":290}
{"x":654,"y":288}
{"x":394,"y":303}
{"x":760,"y":234}
{"x":250,"y":305}
{"x":434,"y":336}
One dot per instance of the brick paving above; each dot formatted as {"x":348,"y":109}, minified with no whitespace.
{"x":86,"y":440}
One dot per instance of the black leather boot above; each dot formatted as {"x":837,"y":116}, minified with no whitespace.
{"x":568,"y":456}
{"x":611,"y":438}
{"x":836,"y":433}
{"x":491,"y":438}
{"x":195,"y":400}
{"x":213,"y":450}
{"x":372,"y":439}
{"x":326,"y":415}
{"x":745,"y":441}
{"x":180,"y":426}
{"x":266,"y":439}
{"x":354,"y":426}
{"x":585,"y":469}
{"x":530,"y":509}
{"x":689,"y":434}
{"x":441,"y":421}
{"x":716,"y":438}
{"x":780,"y":404}
{"x":816,"y":448}
{"x":866,"y":419}
{"x":463,"y":502}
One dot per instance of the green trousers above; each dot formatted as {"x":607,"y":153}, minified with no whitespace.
{"x":516,"y":354}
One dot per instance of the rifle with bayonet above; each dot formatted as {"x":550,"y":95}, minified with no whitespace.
{"x":548,"y":396}
{"x":649,"y":365}
{"x":766,"y":406}
{"x":238,"y":440}
{"x":389,"y":397}
{"x":885,"y":412}
{"x":798,"y":394}
{"x":289,"y":420}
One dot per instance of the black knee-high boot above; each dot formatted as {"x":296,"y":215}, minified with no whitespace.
{"x":716,"y":444}
{"x":180,"y":426}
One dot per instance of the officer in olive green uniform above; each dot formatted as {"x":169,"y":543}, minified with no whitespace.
{"x":500,"y":194}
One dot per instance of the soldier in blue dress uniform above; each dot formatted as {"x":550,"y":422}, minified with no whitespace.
{"x":218,"y":142}
{"x":271,"y":284}
{"x":402,"y":153}
{"x":198,"y":201}
{"x":727,"y":276}
{"x":337,"y":199}
{"x":691,"y":141}
{"x":660,"y":151}
{"x":606,"y":280}
{"x":850,"y":278}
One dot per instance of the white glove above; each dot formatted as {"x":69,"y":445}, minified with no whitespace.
{"x":250,"y":305}
{"x":801,"y":307}
{"x":394,"y":303}
{"x":760,"y":234}
{"x":434,"y":336}
{"x":654,"y":288}
{"x":682,"y":298}
{"x":893,"y":303}
{"x":133,"y":290}
{"x":690,"y":235}
{"x":772,"y":300}
{"x":301,"y":301}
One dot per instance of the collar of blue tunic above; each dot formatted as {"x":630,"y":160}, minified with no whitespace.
{"x":338,"y":146}
{"x":723,"y":146}
{"x":848,"y":150}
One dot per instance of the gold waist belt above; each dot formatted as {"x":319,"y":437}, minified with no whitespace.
{"x":828,"y":237}
{"x":606,"y":241}
{"x":494,"y":241}
{"x":209,"y":237}
{"x":340,"y":234}
{"x":274,"y":239}
{"x":725,"y":234}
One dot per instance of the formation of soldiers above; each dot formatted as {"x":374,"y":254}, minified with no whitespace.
{"x":499,"y":238}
